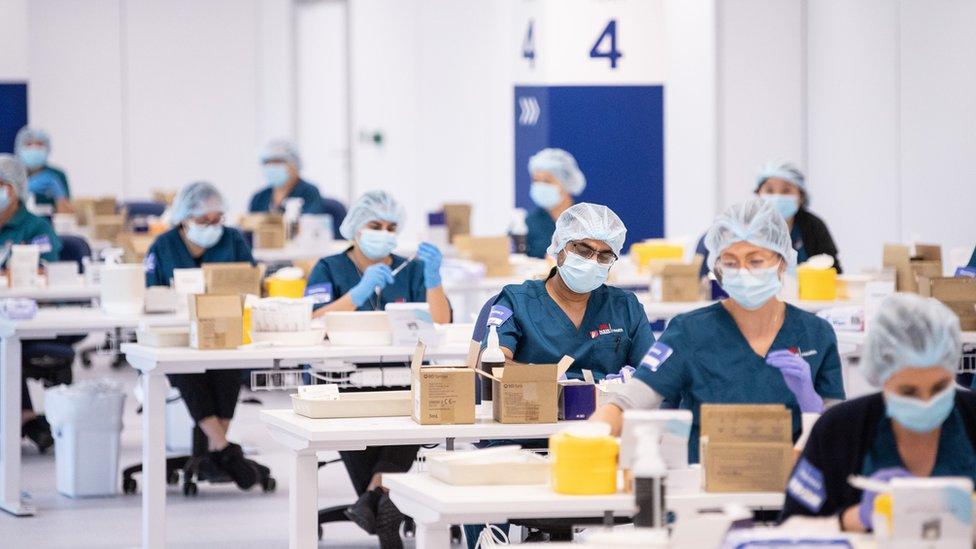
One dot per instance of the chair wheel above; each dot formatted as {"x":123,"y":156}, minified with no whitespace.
{"x":86,"y":360}
{"x":320,"y":532}
{"x":129,"y":486}
{"x":269,"y":485}
{"x":118,"y":361}
{"x":172,"y":478}
{"x":456,"y":537}
{"x":190,"y":489}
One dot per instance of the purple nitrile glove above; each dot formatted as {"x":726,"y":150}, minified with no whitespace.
{"x":628,"y":369}
{"x":865,"y":511}
{"x":796,"y":374}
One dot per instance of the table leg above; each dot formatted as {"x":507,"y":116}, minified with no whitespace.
{"x":303,"y":499}
{"x":10,"y":378}
{"x":153,"y":461}
{"x":433,"y":536}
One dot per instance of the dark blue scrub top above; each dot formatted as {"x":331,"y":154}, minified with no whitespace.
{"x":27,"y":228}
{"x":955,"y":457}
{"x":712,"y":363}
{"x":314,"y":203}
{"x":169,"y":252}
{"x":333,"y":277}
{"x":541,"y":225}
{"x":614,"y":331}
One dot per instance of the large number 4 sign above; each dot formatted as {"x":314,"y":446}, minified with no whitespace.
{"x":605,"y":46}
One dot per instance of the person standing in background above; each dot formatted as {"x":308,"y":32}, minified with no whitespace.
{"x":48,"y":185}
{"x":556,"y":180}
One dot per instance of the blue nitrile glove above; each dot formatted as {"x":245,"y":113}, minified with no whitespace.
{"x":431,"y":256}
{"x":866,"y":509}
{"x":620,"y":376}
{"x":796,"y":374}
{"x":376,"y":276}
{"x":46,"y":184}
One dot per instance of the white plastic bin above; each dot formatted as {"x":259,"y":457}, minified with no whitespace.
{"x":86,"y":421}
{"x":179,"y":425}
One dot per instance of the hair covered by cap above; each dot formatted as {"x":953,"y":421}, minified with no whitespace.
{"x":786,"y":171}
{"x":911,"y":331}
{"x":562,"y":165}
{"x":196,"y":199}
{"x":13,"y":172}
{"x":372,"y":206}
{"x":281,"y":149}
{"x":754,"y":221}
{"x":588,"y":221}
{"x":28,"y":134}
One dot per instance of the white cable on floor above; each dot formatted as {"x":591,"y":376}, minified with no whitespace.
{"x":491,"y":536}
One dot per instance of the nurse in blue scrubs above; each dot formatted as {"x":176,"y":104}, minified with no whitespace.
{"x":47,"y":184}
{"x":573,"y":312}
{"x":919,"y":425}
{"x":281,"y":165}
{"x":198,"y":237}
{"x":556,"y":179}
{"x":749,"y":349}
{"x":361,"y":279}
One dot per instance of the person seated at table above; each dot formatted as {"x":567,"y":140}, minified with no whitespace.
{"x":784,"y":186}
{"x":361,"y":279}
{"x":281,"y":165}
{"x":918,"y":425}
{"x":556,"y":179}
{"x":19,"y":226}
{"x":47,"y":184}
{"x":199,"y":237}
{"x":749,"y":349}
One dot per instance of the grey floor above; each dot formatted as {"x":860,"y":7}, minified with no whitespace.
{"x":219,"y":516}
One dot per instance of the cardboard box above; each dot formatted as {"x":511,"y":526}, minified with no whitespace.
{"x":457,"y":217}
{"x":443,"y":394}
{"x":746,"y":447}
{"x":216,"y":321}
{"x":492,"y":251}
{"x":675,"y":281}
{"x":232,"y":278}
{"x":956,"y":293}
{"x":86,"y":209}
{"x":926,"y":262}
{"x":136,"y":245}
{"x":163,"y":197}
{"x":107,"y":227}
{"x":269,"y":237}
{"x":527,"y":393}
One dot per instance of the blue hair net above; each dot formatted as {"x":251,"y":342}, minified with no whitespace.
{"x":754,"y":221}
{"x":593,"y":221}
{"x":370,"y":207}
{"x":910,"y":331}
{"x":196,"y":199}
{"x":28,"y":134}
{"x":13,"y":171}
{"x":782,"y":170}
{"x":280,"y":149}
{"x":561,"y":164}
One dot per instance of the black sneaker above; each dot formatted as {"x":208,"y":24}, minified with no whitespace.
{"x":388,"y":521}
{"x":38,"y":430}
{"x":209,"y":471}
{"x":231,"y":459}
{"x":363,"y":512}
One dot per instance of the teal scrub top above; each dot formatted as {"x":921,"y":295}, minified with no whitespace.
{"x":801,"y":250}
{"x":541,"y":225}
{"x":614,"y":331}
{"x":333,"y":277}
{"x":169,"y":252}
{"x":313,"y":203}
{"x":27,"y":228}
{"x":48,"y":185}
{"x":954,"y":458}
{"x":703,"y":358}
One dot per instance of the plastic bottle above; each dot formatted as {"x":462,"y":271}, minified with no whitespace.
{"x":491,"y":358}
{"x":518,"y":231}
{"x":650,"y":473}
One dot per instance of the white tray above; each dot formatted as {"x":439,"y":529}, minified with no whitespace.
{"x":289,"y":339}
{"x":370,"y":404}
{"x":177,"y":336}
{"x":451,"y":471}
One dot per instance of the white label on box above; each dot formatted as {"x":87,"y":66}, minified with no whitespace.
{"x":328,"y":391}
{"x":189,"y":281}
{"x":410,"y":324}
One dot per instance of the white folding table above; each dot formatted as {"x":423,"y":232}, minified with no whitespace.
{"x":49,"y":294}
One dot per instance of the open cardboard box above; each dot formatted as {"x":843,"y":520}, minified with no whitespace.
{"x":956,"y":293}
{"x":746,"y":447}
{"x":675,"y":281}
{"x":926,"y":262}
{"x":443,"y":394}
{"x":232,"y":278}
{"x":527,"y":393}
{"x":492,"y":251}
{"x":216,"y":321}
{"x":267,"y":230}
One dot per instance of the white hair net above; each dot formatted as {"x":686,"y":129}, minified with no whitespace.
{"x":754,"y":221}
{"x":782,"y":170}
{"x":561,"y":164}
{"x":370,"y":207}
{"x":593,"y":221}
{"x":280,"y":149}
{"x":196,"y":199}
{"x":13,"y":171}
{"x":28,"y":134}
{"x":910,"y":331}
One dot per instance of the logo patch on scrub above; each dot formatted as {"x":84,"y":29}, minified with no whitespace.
{"x":498,"y":315}
{"x":656,"y":356}
{"x":807,"y":486}
{"x":43,"y":242}
{"x":604,"y":329}
{"x":320,"y":293}
{"x":149,"y":263}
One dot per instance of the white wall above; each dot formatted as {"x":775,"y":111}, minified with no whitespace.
{"x":13,"y":40}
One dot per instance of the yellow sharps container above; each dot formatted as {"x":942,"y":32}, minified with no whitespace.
{"x":584,"y":461}
{"x":817,"y":284}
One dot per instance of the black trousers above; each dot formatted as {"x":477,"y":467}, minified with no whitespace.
{"x":363,"y":464}
{"x":212,"y":393}
{"x":25,"y":400}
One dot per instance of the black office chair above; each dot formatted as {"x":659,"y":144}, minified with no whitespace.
{"x":138,"y":212}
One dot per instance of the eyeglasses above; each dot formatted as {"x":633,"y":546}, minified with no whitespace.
{"x":208,"y":220}
{"x":586,"y":252}
{"x":752,"y":263}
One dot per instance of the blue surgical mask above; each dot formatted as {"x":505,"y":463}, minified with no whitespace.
{"x":376,"y":244}
{"x":4,"y":198}
{"x":786,"y":204}
{"x":918,"y":415}
{"x":545,"y":195}
{"x":33,"y":157}
{"x":582,"y":275}
{"x":204,"y":236}
{"x":751,"y":289}
{"x":276,"y":175}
